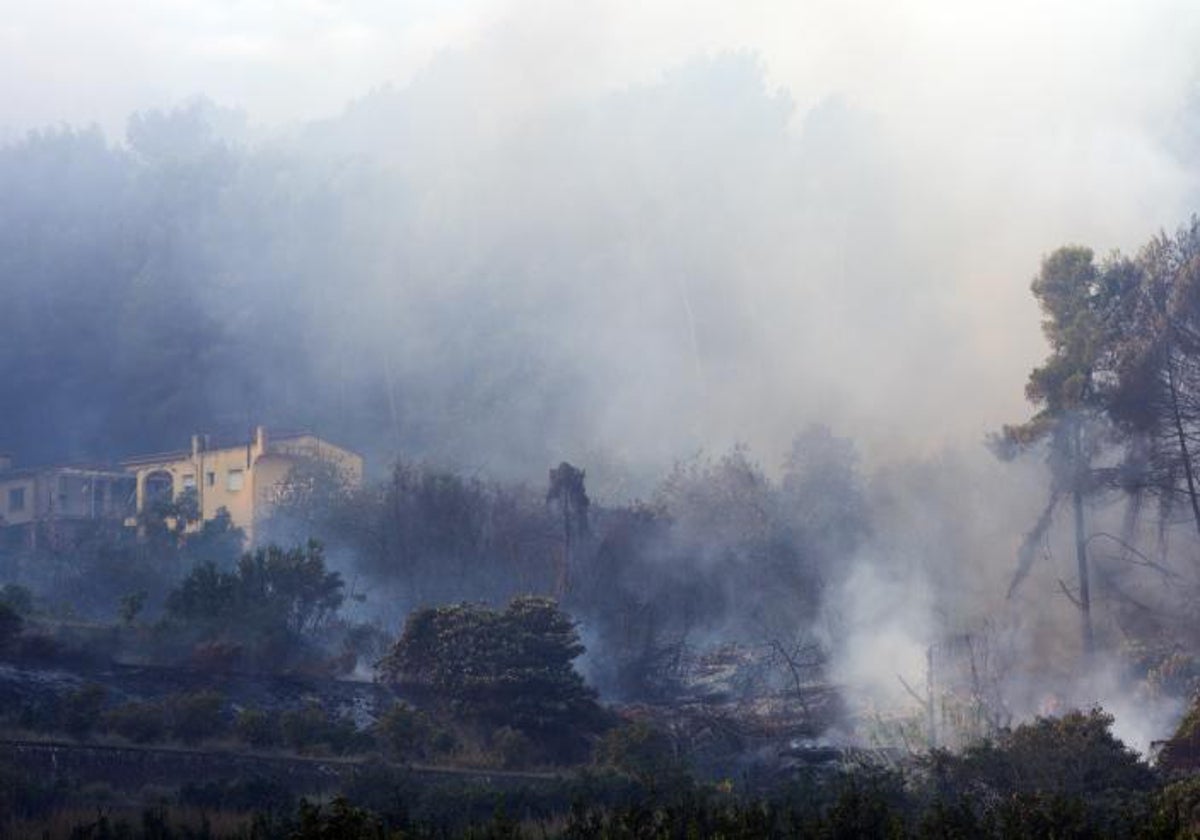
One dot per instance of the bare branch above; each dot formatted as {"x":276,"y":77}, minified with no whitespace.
{"x":1067,"y":592}
{"x":1141,"y":559}
{"x":924,"y":701}
{"x":1025,"y":555}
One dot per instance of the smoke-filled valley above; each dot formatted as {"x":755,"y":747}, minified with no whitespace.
{"x":777,"y":421}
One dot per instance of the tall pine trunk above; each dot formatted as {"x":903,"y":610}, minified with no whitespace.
{"x":1085,"y":593}
{"x":1184,"y":454}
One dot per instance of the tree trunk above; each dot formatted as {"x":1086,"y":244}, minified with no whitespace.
{"x":931,"y":704}
{"x":1085,"y":595}
{"x":1176,"y":415}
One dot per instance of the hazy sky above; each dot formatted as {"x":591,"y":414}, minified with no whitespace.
{"x":996,"y":131}
{"x":1082,"y":64}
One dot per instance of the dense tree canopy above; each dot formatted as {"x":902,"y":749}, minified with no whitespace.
{"x":506,"y":668}
{"x":270,"y":588}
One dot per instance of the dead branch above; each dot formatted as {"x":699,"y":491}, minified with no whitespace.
{"x":1066,"y":591}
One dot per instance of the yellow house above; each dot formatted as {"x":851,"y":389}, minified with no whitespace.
{"x":54,"y":499}
{"x":244,"y":478}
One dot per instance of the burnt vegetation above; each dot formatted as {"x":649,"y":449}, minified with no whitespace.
{"x":441,"y":651}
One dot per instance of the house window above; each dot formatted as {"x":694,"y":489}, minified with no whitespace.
{"x":16,"y":499}
{"x":237,"y":478}
{"x":189,"y":482}
{"x":210,"y":479}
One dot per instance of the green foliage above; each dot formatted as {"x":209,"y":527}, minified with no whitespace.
{"x":266,"y":796}
{"x":567,"y":493}
{"x":270,"y":589}
{"x":409,"y":733}
{"x":1075,"y":296}
{"x":1182,"y":752}
{"x":1177,"y":674}
{"x":304,"y":728}
{"x":367,"y":642}
{"x":88,"y":569}
{"x":866,"y":807}
{"x":513,"y":747}
{"x":196,"y":716}
{"x":141,"y":723}
{"x":949,"y":821}
{"x":641,"y":751}
{"x":339,"y":820}
{"x":216,"y":541}
{"x":312,"y":726}
{"x":446,"y":536}
{"x":258,"y":729}
{"x":1042,"y":815}
{"x":1176,"y":814}
{"x":132,"y":605}
{"x":511,"y":668}
{"x":81,"y":709}
{"x":11,"y":624}
{"x":17,"y":597}
{"x":1075,"y":754}
{"x":316,"y":497}
{"x":24,"y":794}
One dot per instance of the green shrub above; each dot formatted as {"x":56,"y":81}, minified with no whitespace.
{"x":1177,"y":811}
{"x":18,"y":597}
{"x":338,"y":819}
{"x":11,"y":624}
{"x":254,"y":793}
{"x":406,"y":733}
{"x":27,"y":795}
{"x":344,"y":738}
{"x":258,"y":728}
{"x":304,"y":728}
{"x":640,"y":751}
{"x":81,"y":709}
{"x":141,"y":723}
{"x":1075,"y":754}
{"x":196,"y":717}
{"x":511,"y":669}
{"x":311,"y":726}
{"x":512,"y":747}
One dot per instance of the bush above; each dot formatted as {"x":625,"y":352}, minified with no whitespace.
{"x":304,"y":728}
{"x":27,"y":795}
{"x":512,"y":669}
{"x":258,"y":728}
{"x":1075,"y":754}
{"x":254,"y":793}
{"x":311,"y":726}
{"x":512,"y":747}
{"x":196,"y":717}
{"x":640,"y":751}
{"x":1177,"y":811}
{"x":339,"y":819}
{"x":141,"y":723}
{"x":11,"y":624}
{"x":406,"y":733}
{"x":81,"y":709}
{"x":18,"y":597}
{"x":344,"y":738}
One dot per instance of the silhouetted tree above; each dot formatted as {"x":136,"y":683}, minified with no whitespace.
{"x":1076,"y":297}
{"x":512,"y":668}
{"x":273,"y":588}
{"x":1156,"y":394}
{"x":567,"y":492}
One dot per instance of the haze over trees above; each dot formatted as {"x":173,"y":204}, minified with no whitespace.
{"x":679,"y":340}
{"x":1118,"y":424}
